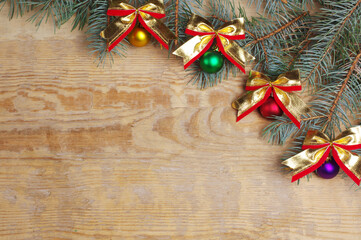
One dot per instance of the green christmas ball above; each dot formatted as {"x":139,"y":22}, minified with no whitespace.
{"x":211,"y":61}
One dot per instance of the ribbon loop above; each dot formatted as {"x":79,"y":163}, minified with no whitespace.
{"x":197,"y":46}
{"x":349,"y":139}
{"x":120,"y":8}
{"x":261,"y":87}
{"x":199,"y":26}
{"x":257,"y":80}
{"x":315,"y":139}
{"x":148,"y":15}
{"x":289,"y":81}
{"x":233,"y":30}
{"x":317,"y":147}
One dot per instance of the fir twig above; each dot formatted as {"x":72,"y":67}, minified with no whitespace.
{"x":311,"y":118}
{"x":98,"y":20}
{"x":82,"y":10}
{"x":278,"y":29}
{"x":58,"y":11}
{"x":265,"y":52}
{"x":336,"y":36}
{"x":305,"y":46}
{"x":176,"y":21}
{"x":342,"y":89}
{"x":274,"y":7}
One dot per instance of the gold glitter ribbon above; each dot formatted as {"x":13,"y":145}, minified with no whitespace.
{"x":317,"y":147}
{"x":148,"y":15}
{"x":261,"y":87}
{"x":204,"y":34}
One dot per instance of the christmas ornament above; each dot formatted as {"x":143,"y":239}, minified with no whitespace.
{"x":204,"y":35}
{"x":270,"y":108}
{"x":211,"y":62}
{"x":261,"y":88}
{"x":329,"y":169}
{"x":148,"y":16}
{"x":318,"y":146}
{"x":139,"y":37}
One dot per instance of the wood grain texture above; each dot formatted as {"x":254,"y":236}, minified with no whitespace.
{"x":132,"y":152}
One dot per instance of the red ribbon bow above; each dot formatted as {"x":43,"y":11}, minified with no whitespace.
{"x":148,"y":16}
{"x":261,"y":87}
{"x":317,"y":147}
{"x":204,"y":34}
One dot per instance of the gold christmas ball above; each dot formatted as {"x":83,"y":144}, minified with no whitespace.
{"x":139,"y":37}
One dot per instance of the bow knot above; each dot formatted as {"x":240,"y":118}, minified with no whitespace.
{"x":148,"y":16}
{"x":317,"y":146}
{"x":204,"y":34}
{"x":261,"y":87}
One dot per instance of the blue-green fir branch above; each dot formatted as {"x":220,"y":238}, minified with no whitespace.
{"x":274,"y":7}
{"x":274,"y":43}
{"x":98,"y":20}
{"x":81,"y":11}
{"x":58,"y":12}
{"x":331,"y":25}
{"x":16,"y":8}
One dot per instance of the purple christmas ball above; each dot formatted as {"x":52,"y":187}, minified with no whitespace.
{"x":328,"y":169}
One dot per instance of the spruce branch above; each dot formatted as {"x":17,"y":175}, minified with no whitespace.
{"x":16,"y":7}
{"x":305,"y":44}
{"x":318,"y":65}
{"x":273,"y":42}
{"x":272,"y":8}
{"x":58,"y":11}
{"x":178,"y":13}
{"x":82,"y":11}
{"x":342,"y":90}
{"x":278,"y":30}
{"x":98,"y":20}
{"x":176,"y":21}
{"x":311,"y":118}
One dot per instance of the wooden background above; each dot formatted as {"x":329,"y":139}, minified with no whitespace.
{"x":132,"y":152}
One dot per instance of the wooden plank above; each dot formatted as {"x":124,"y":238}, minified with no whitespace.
{"x":132,"y":152}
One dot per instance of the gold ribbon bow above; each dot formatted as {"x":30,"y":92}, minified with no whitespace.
{"x":204,"y":34}
{"x":148,"y":15}
{"x":317,"y":147}
{"x":261,"y":87}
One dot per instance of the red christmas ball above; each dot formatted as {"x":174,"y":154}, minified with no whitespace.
{"x":270,"y":108}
